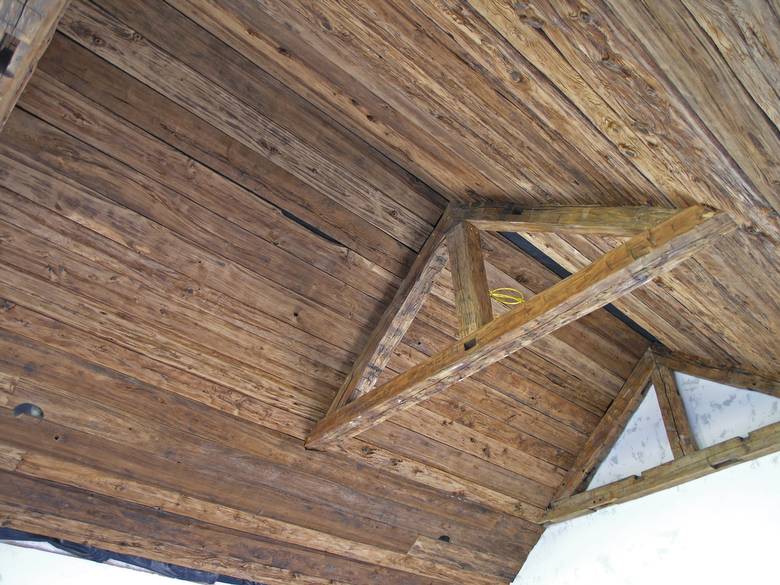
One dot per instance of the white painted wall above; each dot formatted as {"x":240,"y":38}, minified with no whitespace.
{"x":721,"y":529}
{"x":642,"y":445}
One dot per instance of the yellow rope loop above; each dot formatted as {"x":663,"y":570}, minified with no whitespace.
{"x":507,"y":296}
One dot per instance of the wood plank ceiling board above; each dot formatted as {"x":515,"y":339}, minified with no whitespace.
{"x":206,"y":207}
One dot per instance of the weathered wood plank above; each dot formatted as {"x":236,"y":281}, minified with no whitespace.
{"x":697,"y":464}
{"x":592,"y":57}
{"x":747,"y":33}
{"x":337,"y":491}
{"x":765,"y":382}
{"x":446,"y":553}
{"x":111,"y":39}
{"x":614,"y":221}
{"x":615,"y":274}
{"x":467,"y":266}
{"x":609,"y":429}
{"x":60,"y":469}
{"x":142,"y":524}
{"x":20,"y":516}
{"x":27,"y":30}
{"x":397,"y":317}
{"x":678,"y":428}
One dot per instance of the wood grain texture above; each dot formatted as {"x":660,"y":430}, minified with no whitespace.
{"x":467,"y":266}
{"x":609,"y":428}
{"x":617,"y":273}
{"x":397,"y":317}
{"x":675,"y":418}
{"x":206,"y":208}
{"x":765,"y":382}
{"x":27,"y":30}
{"x":613,"y":221}
{"x":761,"y":442}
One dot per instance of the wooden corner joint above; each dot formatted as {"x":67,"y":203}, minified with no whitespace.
{"x":666,"y":238}
{"x":760,"y":442}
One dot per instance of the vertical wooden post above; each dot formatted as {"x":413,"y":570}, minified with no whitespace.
{"x":472,"y":297}
{"x":675,"y":418}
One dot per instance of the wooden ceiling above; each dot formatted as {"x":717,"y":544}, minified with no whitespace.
{"x":207,"y":204}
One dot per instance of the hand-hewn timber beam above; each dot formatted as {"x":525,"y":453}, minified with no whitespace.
{"x":398,"y":316}
{"x":765,"y":382}
{"x":472,"y":297}
{"x":613,"y":221}
{"x":27,"y":29}
{"x":610,"y":427}
{"x":698,"y":464}
{"x":618,"y":272}
{"x":678,"y":429}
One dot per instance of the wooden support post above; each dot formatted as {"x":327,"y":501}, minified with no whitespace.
{"x":765,"y":382}
{"x":610,"y":427}
{"x":472,"y":297}
{"x":678,"y":428}
{"x":612,"y":221}
{"x":618,"y":272}
{"x":27,"y":29}
{"x":697,"y":464}
{"x":398,"y":316}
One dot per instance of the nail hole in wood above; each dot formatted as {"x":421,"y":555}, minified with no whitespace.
{"x":469,"y":344}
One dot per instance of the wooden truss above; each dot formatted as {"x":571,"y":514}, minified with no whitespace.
{"x":659,"y":240}
{"x":26,"y":29}
{"x":656,"y":367}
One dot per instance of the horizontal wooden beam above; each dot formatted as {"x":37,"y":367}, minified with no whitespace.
{"x":764,"y":382}
{"x":610,"y":427}
{"x":613,"y":221}
{"x":697,"y":464}
{"x":27,"y":28}
{"x":618,"y":272}
{"x":397,"y":317}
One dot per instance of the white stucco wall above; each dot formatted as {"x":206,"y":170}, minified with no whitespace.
{"x":721,"y":529}
{"x":642,"y":445}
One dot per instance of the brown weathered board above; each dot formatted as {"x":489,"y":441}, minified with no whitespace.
{"x":618,"y":272}
{"x":206,"y":208}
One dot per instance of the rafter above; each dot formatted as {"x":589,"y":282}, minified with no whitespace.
{"x":27,"y":30}
{"x":765,"y":382}
{"x":697,"y":464}
{"x":610,"y":427}
{"x":398,"y":316}
{"x":583,"y":219}
{"x":618,"y":272}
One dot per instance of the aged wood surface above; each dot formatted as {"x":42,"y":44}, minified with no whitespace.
{"x":616,"y":273}
{"x":678,"y":429}
{"x":26,"y":29}
{"x":765,"y":382}
{"x":761,"y":442}
{"x":397,"y":317}
{"x":611,"y":221}
{"x":207,"y":207}
{"x":609,"y":428}
{"x":467,"y":266}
